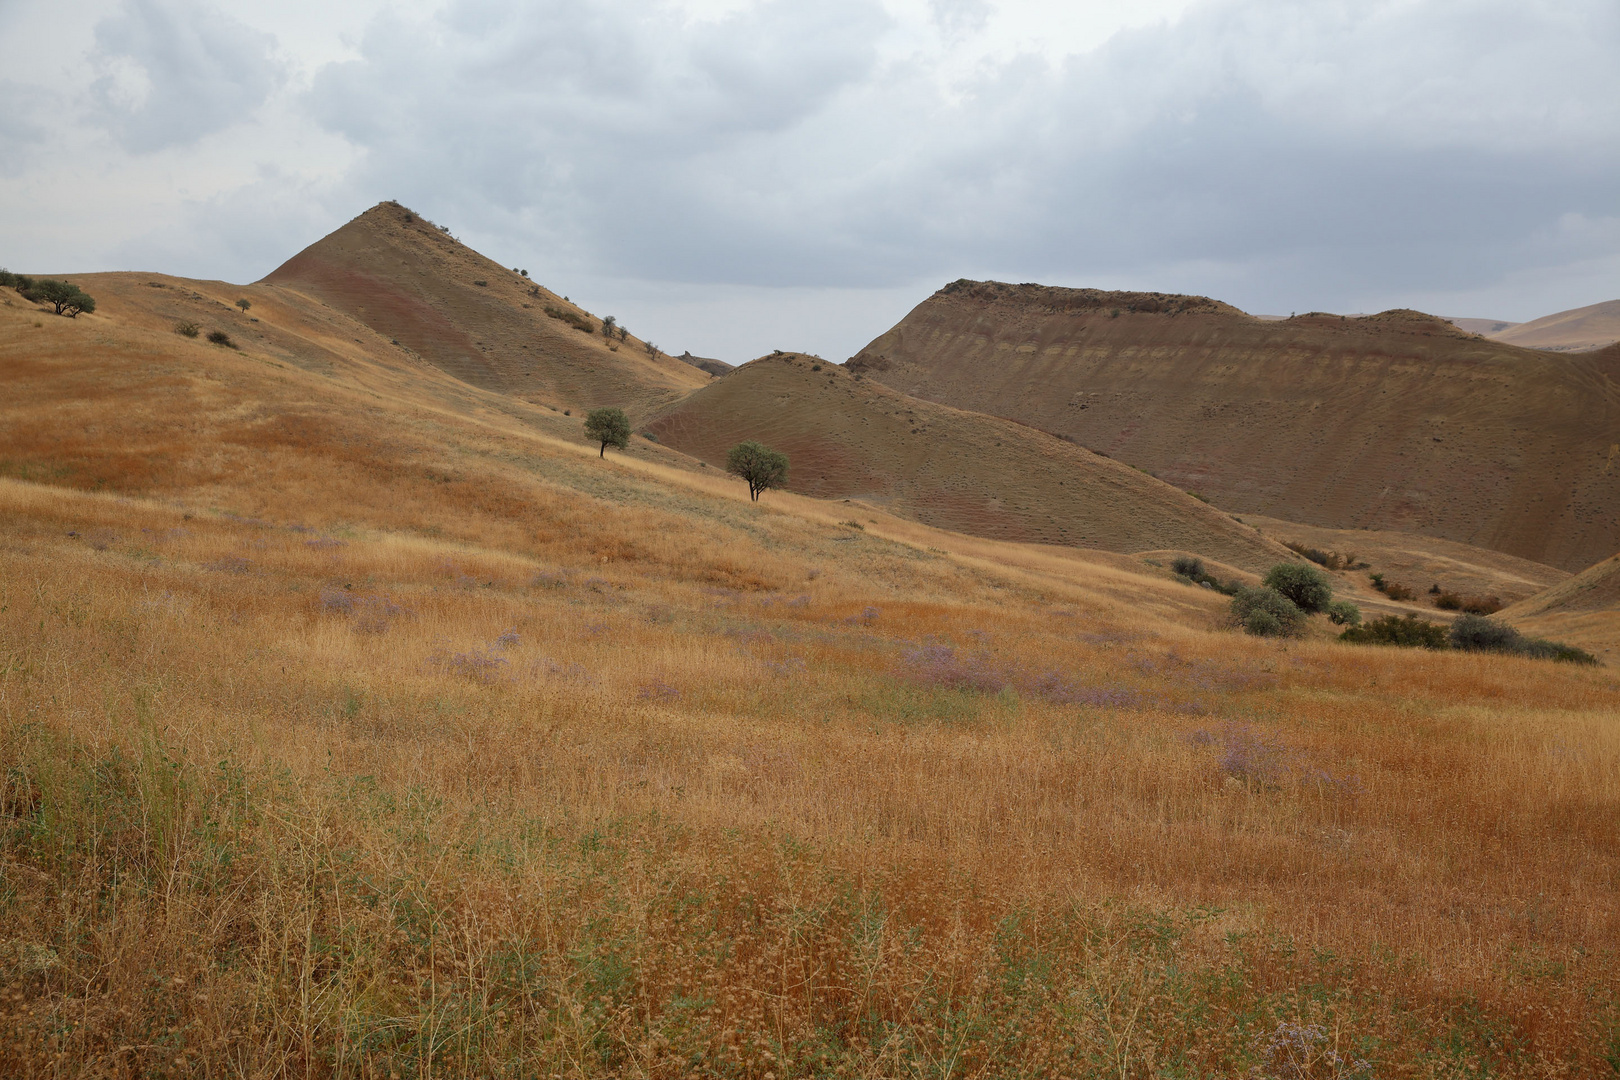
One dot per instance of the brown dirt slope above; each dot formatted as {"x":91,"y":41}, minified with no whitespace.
{"x":1394,"y":421}
{"x":412,"y":283}
{"x":1579,"y":329}
{"x":852,"y":438}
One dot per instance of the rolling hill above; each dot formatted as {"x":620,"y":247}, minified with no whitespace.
{"x":1577,"y":330}
{"x":359,"y":720}
{"x":851,"y":438}
{"x":1396,"y":421}
{"x":413,"y":284}
{"x":1584,"y":610}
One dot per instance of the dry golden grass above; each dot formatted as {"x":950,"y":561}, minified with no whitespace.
{"x":372,"y":732}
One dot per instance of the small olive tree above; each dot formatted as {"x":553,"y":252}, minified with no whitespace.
{"x":608,"y":426}
{"x":609,"y":327}
{"x":758,"y":464}
{"x":244,"y":303}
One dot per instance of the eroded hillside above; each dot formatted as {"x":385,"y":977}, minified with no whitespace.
{"x":488,"y":326}
{"x":850,"y":438}
{"x":1394,"y":421}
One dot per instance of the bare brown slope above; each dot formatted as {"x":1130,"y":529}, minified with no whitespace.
{"x":1576,"y":330}
{"x":851,"y":438}
{"x":1393,"y":421}
{"x":414,"y":284}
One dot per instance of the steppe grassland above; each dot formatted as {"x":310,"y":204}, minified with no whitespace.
{"x":284,"y":797}
{"x":675,"y":822}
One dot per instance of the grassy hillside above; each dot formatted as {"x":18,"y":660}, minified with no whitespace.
{"x":356,"y":721}
{"x":851,"y":438}
{"x":413,"y":284}
{"x":1396,"y":421}
{"x":1583,"y":609}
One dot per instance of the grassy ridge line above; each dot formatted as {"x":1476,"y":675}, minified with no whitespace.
{"x":671,"y":828}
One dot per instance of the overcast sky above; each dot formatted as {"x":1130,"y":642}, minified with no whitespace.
{"x":733,"y":176}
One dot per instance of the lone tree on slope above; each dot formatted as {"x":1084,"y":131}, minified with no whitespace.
{"x":609,"y":325}
{"x":608,"y":426}
{"x":244,"y":303}
{"x":66,"y":298}
{"x":758,"y":464}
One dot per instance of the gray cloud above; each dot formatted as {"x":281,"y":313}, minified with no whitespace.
{"x":1279,"y":155}
{"x":1350,"y":145}
{"x":173,"y":71}
{"x":20,"y":134}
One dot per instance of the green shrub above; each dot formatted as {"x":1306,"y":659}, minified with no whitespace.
{"x":1188,"y":567}
{"x":1408,"y":630}
{"x":7,"y":278}
{"x":1265,"y":612}
{"x":1306,"y":586}
{"x":1476,"y":633}
{"x":220,"y":337}
{"x":1342,"y":613}
{"x":187,"y":329}
{"x":1192,"y":569}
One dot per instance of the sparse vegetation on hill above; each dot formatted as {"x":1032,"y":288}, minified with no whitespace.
{"x":572,"y":318}
{"x":984,"y":475}
{"x":1256,"y":415}
{"x":472,"y":318}
{"x":1330,"y":559}
{"x":1392,"y":589}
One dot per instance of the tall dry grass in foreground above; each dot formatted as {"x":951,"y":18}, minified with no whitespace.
{"x":746,"y":800}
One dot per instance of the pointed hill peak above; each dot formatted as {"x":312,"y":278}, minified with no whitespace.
{"x":409,"y":280}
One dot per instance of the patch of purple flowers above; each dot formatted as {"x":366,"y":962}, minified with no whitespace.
{"x":657,"y":690}
{"x":937,"y":664}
